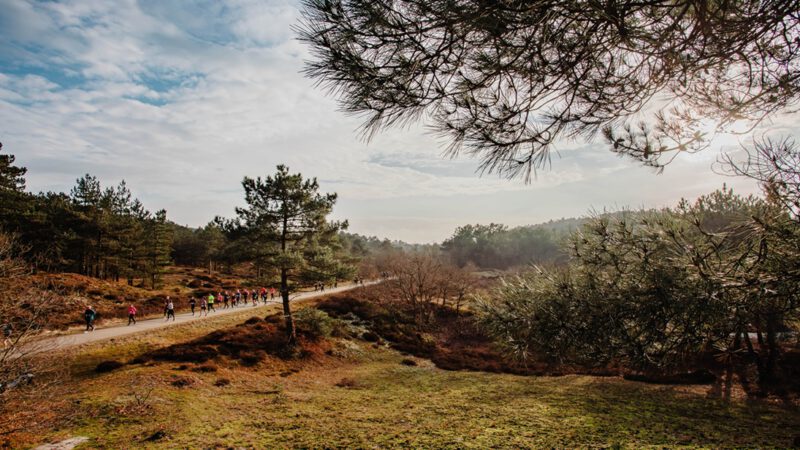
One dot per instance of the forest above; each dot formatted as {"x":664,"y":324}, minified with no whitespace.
{"x":106,"y":232}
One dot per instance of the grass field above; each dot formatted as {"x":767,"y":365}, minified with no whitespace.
{"x":366,"y":395}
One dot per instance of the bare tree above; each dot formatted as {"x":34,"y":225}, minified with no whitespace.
{"x":417,"y":278}
{"x":505,"y":80}
{"x":24,"y":312}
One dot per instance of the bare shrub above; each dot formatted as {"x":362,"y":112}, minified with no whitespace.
{"x":422,"y":279}
{"x":25,"y":379}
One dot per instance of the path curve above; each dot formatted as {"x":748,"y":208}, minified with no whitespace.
{"x":102,"y":334}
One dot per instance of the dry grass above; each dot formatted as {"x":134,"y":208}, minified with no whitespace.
{"x":359,"y":394}
{"x":374,"y":400}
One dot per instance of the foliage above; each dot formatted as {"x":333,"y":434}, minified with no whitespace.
{"x":654,"y":290}
{"x":314,"y":322}
{"x":105,"y":232}
{"x":506,"y":80}
{"x":102,"y":232}
{"x":285,"y":227}
{"x":496,"y":246}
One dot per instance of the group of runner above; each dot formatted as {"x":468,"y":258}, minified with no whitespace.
{"x":229,"y":299}
{"x":240,"y":297}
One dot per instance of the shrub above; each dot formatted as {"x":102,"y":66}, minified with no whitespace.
{"x":206,"y":368}
{"x":108,"y":366}
{"x":314,"y":323}
{"x":408,"y":362}
{"x":182,"y":382}
{"x":251,"y":358}
{"x":222,"y":382}
{"x":369,"y":336}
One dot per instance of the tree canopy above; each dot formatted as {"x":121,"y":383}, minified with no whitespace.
{"x":505,"y":80}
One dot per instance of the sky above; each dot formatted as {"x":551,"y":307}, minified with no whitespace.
{"x":184,"y":99}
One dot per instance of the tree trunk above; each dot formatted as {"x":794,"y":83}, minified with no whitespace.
{"x":291,"y":334}
{"x":772,"y":348}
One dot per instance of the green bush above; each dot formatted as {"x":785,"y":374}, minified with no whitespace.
{"x":315,"y":323}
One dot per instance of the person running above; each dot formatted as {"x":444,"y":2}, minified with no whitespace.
{"x":131,"y":314}
{"x":170,"y":310}
{"x":264,"y":295}
{"x":211,"y":303}
{"x":272,"y":293}
{"x":224,"y":296}
{"x":238,"y":296}
{"x":89,"y":314}
{"x":192,"y":303}
{"x":203,"y":307}
{"x":166,"y":302}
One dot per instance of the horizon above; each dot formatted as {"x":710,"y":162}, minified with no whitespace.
{"x":183,"y":103}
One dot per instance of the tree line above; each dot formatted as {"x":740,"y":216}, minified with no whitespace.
{"x":95,"y":230}
{"x":497,"y":246}
{"x":106,"y":232}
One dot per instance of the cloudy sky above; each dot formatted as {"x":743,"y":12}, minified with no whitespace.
{"x":183,"y":99}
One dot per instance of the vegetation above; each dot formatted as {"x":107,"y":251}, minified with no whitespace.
{"x":506,"y":80}
{"x":659,"y":291}
{"x":102,"y":232}
{"x":498,"y":247}
{"x":351,"y":392}
{"x":106,"y":233}
{"x":284,"y":227}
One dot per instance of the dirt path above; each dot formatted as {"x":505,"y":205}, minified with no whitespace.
{"x":101,"y":334}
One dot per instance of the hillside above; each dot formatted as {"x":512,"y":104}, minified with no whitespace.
{"x":111,"y":298}
{"x":229,"y":382}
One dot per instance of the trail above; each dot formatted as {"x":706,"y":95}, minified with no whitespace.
{"x":144,"y":325}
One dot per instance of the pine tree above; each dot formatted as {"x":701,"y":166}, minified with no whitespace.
{"x":13,"y":200}
{"x":159,"y":246}
{"x":285,"y":218}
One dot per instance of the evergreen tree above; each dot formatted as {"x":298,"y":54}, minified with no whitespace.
{"x":13,"y":200}
{"x":86,"y":196}
{"x":159,"y":246}
{"x":286,"y":222}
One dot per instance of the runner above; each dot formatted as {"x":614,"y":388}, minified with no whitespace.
{"x":211,"y":303}
{"x":192,"y":303}
{"x":224,"y":296}
{"x":238,"y":296}
{"x":264,"y":295}
{"x":89,"y":315}
{"x":166,"y":302}
{"x":254,"y":295}
{"x":203,"y":307}
{"x":272,"y":293}
{"x":170,"y":310}
{"x":131,"y":314}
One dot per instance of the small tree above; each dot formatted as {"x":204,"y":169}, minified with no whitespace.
{"x":286,"y":220}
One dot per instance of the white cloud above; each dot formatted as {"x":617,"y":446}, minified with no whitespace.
{"x":184,"y":99}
